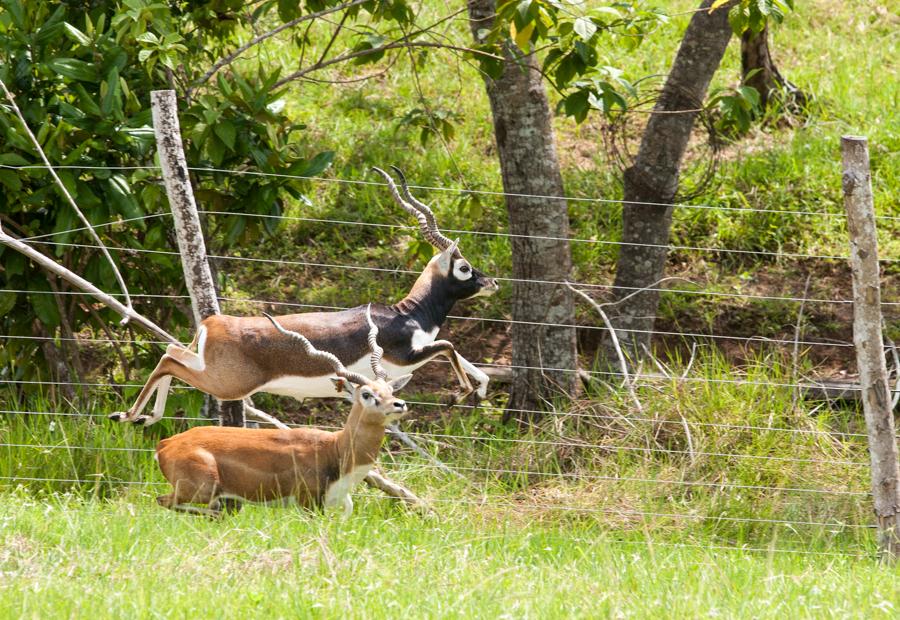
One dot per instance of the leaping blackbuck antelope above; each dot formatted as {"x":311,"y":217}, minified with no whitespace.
{"x":217,"y":465}
{"x":239,"y":356}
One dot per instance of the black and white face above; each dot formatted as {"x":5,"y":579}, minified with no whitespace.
{"x":463,"y":280}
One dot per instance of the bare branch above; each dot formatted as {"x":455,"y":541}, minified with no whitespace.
{"x":400,"y":43}
{"x":50,"y":265}
{"x":62,"y":187}
{"x":266,"y":35}
{"x":615,"y":340}
{"x":376,"y":480}
{"x":262,"y":415}
{"x":406,"y":439}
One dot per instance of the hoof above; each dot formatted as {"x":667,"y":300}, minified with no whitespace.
{"x":142,"y":420}
{"x":474,"y":400}
{"x":118,"y":416}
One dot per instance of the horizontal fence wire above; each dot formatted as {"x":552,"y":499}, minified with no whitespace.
{"x":583,"y":509}
{"x":670,"y":247}
{"x":290,"y":304}
{"x":485,"y":438}
{"x":698,"y":336}
{"x":617,"y":448}
{"x":453,"y":190}
{"x":579,"y":414}
{"x":647,"y":380}
{"x":604,"y":540}
{"x":403,"y":271}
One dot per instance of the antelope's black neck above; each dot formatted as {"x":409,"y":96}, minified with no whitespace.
{"x":428,"y":303}
{"x":429,"y":312}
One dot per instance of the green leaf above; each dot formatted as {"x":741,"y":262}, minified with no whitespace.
{"x":76,"y":35}
{"x":45,"y":308}
{"x":523,"y":36}
{"x":112,"y":101}
{"x":86,"y":101}
{"x":13,"y":159}
{"x":10,"y":179}
{"x":7,"y":302}
{"x":119,"y":193}
{"x":215,"y":148}
{"x":14,"y":264}
{"x":318,"y":164}
{"x":226,"y":132}
{"x":738,"y":20}
{"x":75,"y":69}
{"x":147,"y":37}
{"x":235,"y":229}
{"x":576,"y":105}
{"x":288,"y":9}
{"x":585,"y":28}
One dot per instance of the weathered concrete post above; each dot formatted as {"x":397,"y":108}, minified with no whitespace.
{"x":869,"y":343}
{"x":191,"y":245}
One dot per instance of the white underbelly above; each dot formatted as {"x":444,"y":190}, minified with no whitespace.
{"x":323,"y":387}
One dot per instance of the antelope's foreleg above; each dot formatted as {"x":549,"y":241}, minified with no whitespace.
{"x":477,"y":374}
{"x":445,"y":348}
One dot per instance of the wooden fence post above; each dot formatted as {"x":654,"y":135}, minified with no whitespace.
{"x":869,"y":343}
{"x":191,"y":245}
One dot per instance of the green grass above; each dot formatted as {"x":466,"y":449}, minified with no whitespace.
{"x":66,"y":557}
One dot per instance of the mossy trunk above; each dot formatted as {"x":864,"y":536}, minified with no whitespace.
{"x":653,"y":178}
{"x":759,"y":71}
{"x":544,"y":356}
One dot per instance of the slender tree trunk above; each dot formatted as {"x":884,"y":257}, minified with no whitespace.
{"x":653,"y":178}
{"x":529,"y":165}
{"x":759,"y":71}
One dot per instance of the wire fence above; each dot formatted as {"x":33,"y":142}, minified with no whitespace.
{"x":841,"y":449}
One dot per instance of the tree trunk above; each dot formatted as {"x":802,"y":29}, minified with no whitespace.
{"x":653,"y":178}
{"x":529,"y":165}
{"x":766,"y":79}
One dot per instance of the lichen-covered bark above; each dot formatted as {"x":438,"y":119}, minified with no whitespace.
{"x":869,"y":343}
{"x":529,"y":165}
{"x":191,"y":244}
{"x":653,"y":178}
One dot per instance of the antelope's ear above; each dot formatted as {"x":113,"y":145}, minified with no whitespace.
{"x":445,"y":261}
{"x":399,"y":382}
{"x":343,"y":387}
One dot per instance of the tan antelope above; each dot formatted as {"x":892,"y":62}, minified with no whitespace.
{"x":239,"y":356}
{"x":219,"y":465}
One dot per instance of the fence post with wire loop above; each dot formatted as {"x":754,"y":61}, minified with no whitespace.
{"x":869,"y":342}
{"x":191,"y":245}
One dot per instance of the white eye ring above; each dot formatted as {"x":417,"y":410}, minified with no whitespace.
{"x":462,"y":271}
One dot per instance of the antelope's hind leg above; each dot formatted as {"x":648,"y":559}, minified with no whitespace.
{"x":196,"y":481}
{"x":178,"y":362}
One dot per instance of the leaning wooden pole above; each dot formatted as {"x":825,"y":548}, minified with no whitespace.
{"x":869,"y":343}
{"x":191,"y":245}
